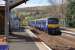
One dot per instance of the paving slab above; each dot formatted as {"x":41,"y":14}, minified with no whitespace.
{"x":24,"y":41}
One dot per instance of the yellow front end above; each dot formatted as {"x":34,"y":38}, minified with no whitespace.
{"x":53,"y":25}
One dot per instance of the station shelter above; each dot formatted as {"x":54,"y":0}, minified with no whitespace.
{"x":5,"y":14}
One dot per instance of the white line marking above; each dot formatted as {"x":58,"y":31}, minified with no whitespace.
{"x":32,"y":34}
{"x":46,"y":46}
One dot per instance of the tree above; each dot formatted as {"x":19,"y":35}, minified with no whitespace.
{"x":71,"y":13}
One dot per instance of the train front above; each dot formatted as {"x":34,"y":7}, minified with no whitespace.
{"x":53,"y":26}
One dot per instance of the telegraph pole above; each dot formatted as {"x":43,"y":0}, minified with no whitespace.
{"x":62,"y":7}
{"x":6,"y":18}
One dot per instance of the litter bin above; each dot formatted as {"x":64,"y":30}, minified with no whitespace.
{"x":3,"y":47}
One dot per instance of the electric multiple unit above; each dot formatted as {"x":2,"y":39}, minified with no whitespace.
{"x":50,"y":25}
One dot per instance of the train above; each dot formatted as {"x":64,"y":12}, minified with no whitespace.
{"x":50,"y":25}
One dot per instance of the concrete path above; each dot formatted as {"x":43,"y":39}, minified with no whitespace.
{"x":26,"y":41}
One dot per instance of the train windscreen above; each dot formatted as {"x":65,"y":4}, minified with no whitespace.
{"x":53,"y":21}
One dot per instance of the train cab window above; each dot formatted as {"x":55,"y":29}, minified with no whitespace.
{"x":53,"y":20}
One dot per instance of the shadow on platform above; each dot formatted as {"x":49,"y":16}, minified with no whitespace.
{"x":21,"y":29}
{"x":25,"y":38}
{"x":22,"y":43}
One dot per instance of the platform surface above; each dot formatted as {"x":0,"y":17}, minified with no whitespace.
{"x":26,"y":42}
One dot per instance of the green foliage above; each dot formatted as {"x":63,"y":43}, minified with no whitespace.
{"x":71,"y":13}
{"x":71,"y":8}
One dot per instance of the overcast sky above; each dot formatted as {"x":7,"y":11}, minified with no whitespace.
{"x":32,"y":3}
{"x":2,"y":2}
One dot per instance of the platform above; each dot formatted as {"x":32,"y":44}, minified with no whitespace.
{"x":26,"y":41}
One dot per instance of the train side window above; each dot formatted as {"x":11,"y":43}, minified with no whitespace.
{"x":44,"y":22}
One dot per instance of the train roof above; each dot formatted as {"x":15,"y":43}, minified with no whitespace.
{"x":44,"y":18}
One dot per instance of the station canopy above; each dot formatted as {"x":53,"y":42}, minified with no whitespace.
{"x":13,"y":3}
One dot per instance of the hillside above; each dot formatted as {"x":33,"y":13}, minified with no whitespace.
{"x":48,"y":10}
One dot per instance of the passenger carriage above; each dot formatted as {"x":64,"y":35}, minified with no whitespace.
{"x":50,"y":25}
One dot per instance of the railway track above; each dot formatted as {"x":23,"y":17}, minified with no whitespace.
{"x":68,"y":32}
{"x":64,"y":42}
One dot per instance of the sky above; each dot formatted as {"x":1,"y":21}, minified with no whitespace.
{"x":32,"y":3}
{"x":2,"y":2}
